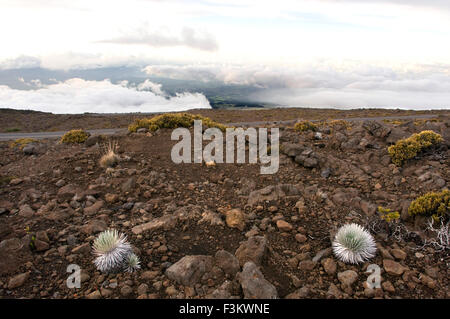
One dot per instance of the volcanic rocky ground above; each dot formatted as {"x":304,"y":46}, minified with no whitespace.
{"x":222,"y":231}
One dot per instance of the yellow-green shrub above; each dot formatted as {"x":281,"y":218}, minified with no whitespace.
{"x":173,"y":120}
{"x":22,"y":142}
{"x":75,"y":136}
{"x":410,"y":147}
{"x":436,"y":204}
{"x":304,"y":126}
{"x":388,"y":215}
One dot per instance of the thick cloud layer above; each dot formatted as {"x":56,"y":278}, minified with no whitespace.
{"x":428,"y":78}
{"x":79,"y":96}
{"x":21,"y":62}
{"x":328,"y":85}
{"x":355,"y":98}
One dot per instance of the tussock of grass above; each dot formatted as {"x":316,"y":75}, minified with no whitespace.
{"x":110,"y":158}
{"x":173,"y":120}
{"x":435,"y":204}
{"x":410,"y":147}
{"x":22,"y":142}
{"x":75,"y":136}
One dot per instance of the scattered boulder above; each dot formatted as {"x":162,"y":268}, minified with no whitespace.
{"x":14,"y":252}
{"x":254,"y":285}
{"x":253,"y":250}
{"x":235,"y":219}
{"x":272,"y":193}
{"x":228,"y":262}
{"x":189,"y":270}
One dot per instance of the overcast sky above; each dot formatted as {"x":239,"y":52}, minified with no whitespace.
{"x":389,"y":46}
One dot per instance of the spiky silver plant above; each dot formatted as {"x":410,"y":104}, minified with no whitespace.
{"x":111,"y":249}
{"x":132,"y":263}
{"x":353,"y":244}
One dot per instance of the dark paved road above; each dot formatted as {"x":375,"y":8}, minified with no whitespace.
{"x":42,"y":135}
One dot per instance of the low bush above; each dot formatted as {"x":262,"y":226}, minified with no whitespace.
{"x":173,"y":120}
{"x":22,"y":142}
{"x":388,"y":215}
{"x":75,"y":136}
{"x":435,"y":204}
{"x":304,"y":126}
{"x":410,"y":147}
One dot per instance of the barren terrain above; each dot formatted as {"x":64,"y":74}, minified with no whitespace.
{"x":55,"y":199}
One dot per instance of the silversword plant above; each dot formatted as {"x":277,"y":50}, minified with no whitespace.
{"x":112,"y":251}
{"x":353,"y":244}
{"x":132,"y":263}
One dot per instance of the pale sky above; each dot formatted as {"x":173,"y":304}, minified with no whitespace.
{"x":366,"y":45}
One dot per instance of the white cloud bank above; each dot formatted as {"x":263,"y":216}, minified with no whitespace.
{"x":320,"y":84}
{"x":162,"y":37}
{"x":79,"y":96}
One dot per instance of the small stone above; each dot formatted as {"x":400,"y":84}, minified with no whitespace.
{"x":334,"y":291}
{"x":329,"y":265}
{"x":142,"y":289}
{"x":94,"y":295}
{"x":126,"y":291}
{"x":348,"y":277}
{"x":393,"y":267}
{"x":235,"y":219}
{"x":82,"y":249}
{"x":26,"y":211}
{"x":111,"y":198}
{"x":171,"y":290}
{"x":398,"y":254}
{"x":41,"y":245}
{"x":284,"y":226}
{"x":306,"y":265}
{"x":419,"y":255}
{"x":18,"y":280}
{"x":433,"y":272}
{"x":106,"y":292}
{"x":149,"y":275}
{"x":300,"y":238}
{"x":387,"y":286}
{"x":15,"y":181}
{"x":60,"y":183}
{"x":299,"y":293}
{"x":428,"y":281}
{"x":94,"y":208}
